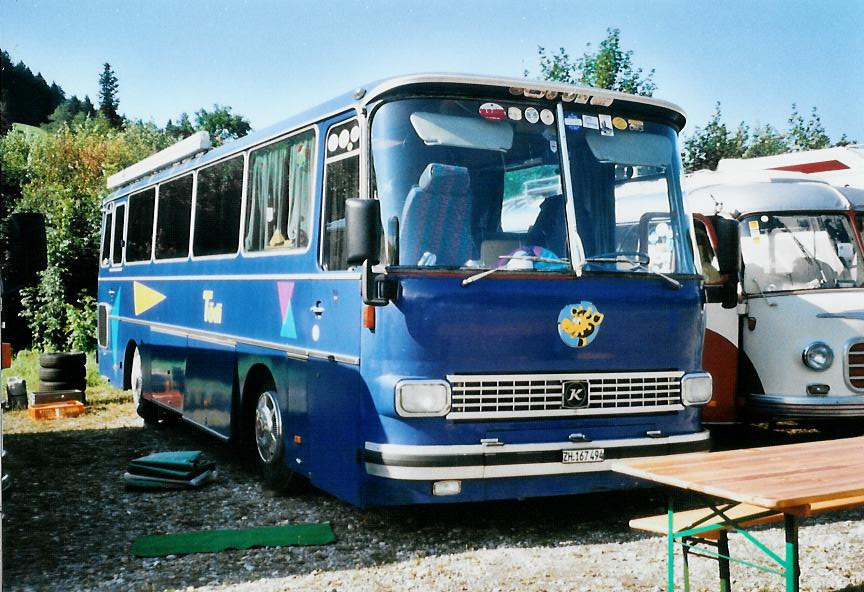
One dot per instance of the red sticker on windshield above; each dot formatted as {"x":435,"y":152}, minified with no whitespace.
{"x":493,"y":112}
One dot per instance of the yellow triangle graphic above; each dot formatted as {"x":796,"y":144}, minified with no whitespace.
{"x":145,"y":298}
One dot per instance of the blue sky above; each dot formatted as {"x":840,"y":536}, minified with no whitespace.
{"x":269,"y":59}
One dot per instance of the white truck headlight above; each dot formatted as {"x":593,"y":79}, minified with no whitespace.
{"x":422,"y":398}
{"x":696,"y":388}
{"x":818,"y":356}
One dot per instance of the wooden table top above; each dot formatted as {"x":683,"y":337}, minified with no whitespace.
{"x":787,"y":477}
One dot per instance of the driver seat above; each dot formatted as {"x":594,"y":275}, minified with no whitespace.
{"x":436,"y":218}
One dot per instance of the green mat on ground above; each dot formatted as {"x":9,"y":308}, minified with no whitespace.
{"x":211,"y":541}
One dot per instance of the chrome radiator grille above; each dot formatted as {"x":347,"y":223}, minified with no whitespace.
{"x":483,"y":396}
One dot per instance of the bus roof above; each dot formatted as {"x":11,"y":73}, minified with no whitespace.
{"x":417,"y":84}
{"x":772,"y":195}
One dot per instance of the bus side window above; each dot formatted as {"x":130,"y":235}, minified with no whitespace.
{"x":139,"y":236}
{"x":105,"y":259}
{"x":118,"y":242}
{"x":278,"y":212}
{"x":710,"y":268}
{"x":217,"y":208}
{"x":172,"y":218}
{"x":342,"y":181}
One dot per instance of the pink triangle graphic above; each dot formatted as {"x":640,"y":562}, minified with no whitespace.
{"x":286,"y":290}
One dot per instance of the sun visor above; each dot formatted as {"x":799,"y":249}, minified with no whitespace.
{"x":438,"y":129}
{"x":634,"y":148}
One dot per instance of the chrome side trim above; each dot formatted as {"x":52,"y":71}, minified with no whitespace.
{"x":299,"y":353}
{"x":236,"y":277}
{"x":852,"y":314}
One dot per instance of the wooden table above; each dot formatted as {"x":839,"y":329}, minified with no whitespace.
{"x":793,"y":480}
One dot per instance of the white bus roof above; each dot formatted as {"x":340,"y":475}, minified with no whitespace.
{"x":841,"y":165}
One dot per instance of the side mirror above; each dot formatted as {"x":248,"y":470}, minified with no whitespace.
{"x":728,"y":245}
{"x":28,"y":253}
{"x":362,"y":230}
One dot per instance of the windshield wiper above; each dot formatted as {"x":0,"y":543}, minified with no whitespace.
{"x":638,"y":259}
{"x":807,"y":256}
{"x":532,"y":258}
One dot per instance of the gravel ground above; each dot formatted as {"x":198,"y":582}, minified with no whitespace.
{"x":69,"y":524}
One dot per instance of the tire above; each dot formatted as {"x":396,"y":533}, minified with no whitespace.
{"x":62,"y":374}
{"x":63,"y":360}
{"x":55,"y":385}
{"x":147,"y":410}
{"x":268,"y":439}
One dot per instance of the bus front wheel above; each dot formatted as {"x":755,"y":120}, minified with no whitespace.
{"x":269,"y":436}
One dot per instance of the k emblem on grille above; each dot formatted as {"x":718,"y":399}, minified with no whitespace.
{"x":575,"y":394}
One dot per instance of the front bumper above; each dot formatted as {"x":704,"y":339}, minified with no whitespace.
{"x":482,"y":461}
{"x":784,"y":406}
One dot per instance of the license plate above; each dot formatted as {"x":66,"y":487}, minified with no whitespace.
{"x":587,"y":455}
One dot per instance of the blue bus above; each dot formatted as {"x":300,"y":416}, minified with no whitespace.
{"x":436,"y":288}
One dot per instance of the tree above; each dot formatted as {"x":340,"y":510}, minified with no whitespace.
{"x":609,"y":67}
{"x":63,"y":176}
{"x":221,"y":124}
{"x":108,"y":101}
{"x":766,"y":141}
{"x":809,"y":135}
{"x":182,"y":129}
{"x":705,"y":148}
{"x":25,"y":97}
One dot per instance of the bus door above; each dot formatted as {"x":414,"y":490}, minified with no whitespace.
{"x":720,"y":355}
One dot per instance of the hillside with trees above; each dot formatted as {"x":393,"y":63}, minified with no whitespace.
{"x":57,"y":164}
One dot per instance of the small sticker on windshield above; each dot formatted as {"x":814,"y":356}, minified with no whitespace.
{"x":620,"y":123}
{"x":572,"y":120}
{"x":606,"y":125}
{"x":591,"y":121}
{"x":547,"y":117}
{"x":754,"y":226}
{"x":553,"y":146}
{"x":492,"y":112}
{"x":531,"y":115}
{"x":636,"y":125}
{"x":514,"y":113}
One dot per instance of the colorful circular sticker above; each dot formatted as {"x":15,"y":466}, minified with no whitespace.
{"x":579,"y":324}
{"x":492,"y":112}
{"x":333,"y":142}
{"x":619,"y":123}
{"x":531,"y":115}
{"x":547,"y":117}
{"x":514,"y":113}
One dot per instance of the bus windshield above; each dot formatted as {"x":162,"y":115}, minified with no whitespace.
{"x":474,"y":184}
{"x":799,"y":251}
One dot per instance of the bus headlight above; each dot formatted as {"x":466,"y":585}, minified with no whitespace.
{"x":818,"y":356}
{"x":696,"y":388}
{"x":422,"y":398}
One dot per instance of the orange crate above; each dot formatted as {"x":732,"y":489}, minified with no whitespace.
{"x":56,"y":410}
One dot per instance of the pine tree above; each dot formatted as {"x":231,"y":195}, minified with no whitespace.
{"x":108,"y":101}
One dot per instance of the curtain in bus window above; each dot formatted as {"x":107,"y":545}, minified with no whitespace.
{"x":594,"y":196}
{"x":279,"y":196}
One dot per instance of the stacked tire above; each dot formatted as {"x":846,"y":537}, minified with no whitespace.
{"x":63,"y":372}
